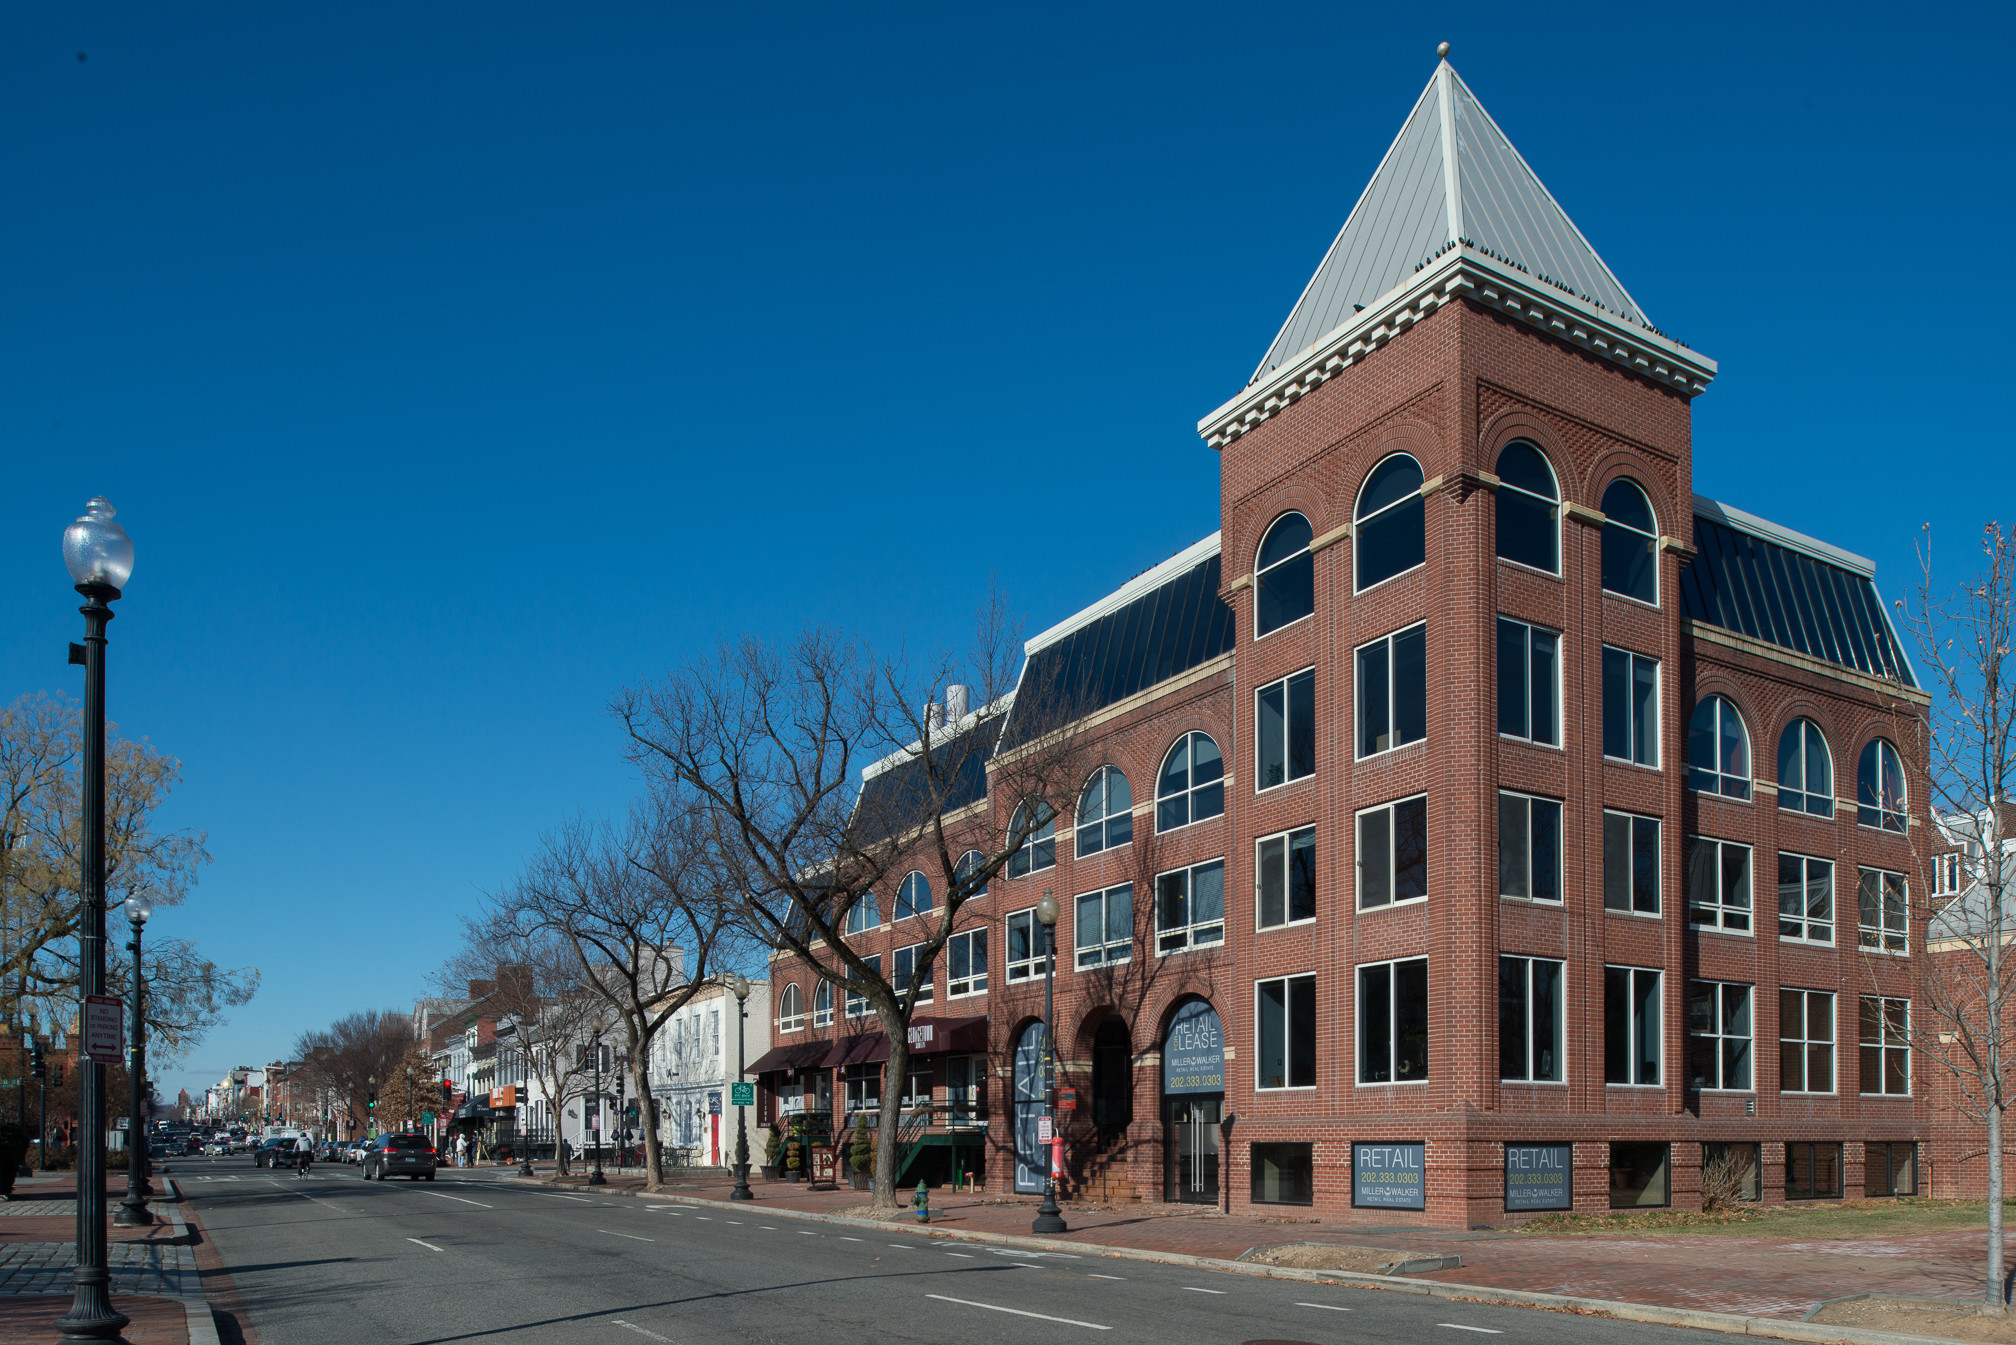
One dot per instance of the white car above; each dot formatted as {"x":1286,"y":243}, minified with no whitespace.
{"x":217,"y":1146}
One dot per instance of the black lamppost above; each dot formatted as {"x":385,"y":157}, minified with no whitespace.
{"x":525,"y":1039}
{"x":738,"y":986}
{"x":412,"y":1122}
{"x":596,"y":1178}
{"x":99,"y":555}
{"x":133,"y":1211}
{"x":1049,"y":1219}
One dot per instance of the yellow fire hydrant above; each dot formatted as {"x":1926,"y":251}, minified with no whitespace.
{"x":922,"y":1200}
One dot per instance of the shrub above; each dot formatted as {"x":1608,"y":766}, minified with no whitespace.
{"x":1724,"y":1182}
{"x":773,"y":1145}
{"x":861,"y":1152}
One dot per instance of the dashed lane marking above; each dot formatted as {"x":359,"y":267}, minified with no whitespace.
{"x":1195,"y":1290}
{"x":963,"y":1256}
{"x":1327,"y":1307}
{"x":428,"y":1245}
{"x":1481,"y":1330}
{"x":551,"y":1195}
{"x":1019,"y":1312}
{"x":477,"y":1203}
{"x":632,"y":1326}
{"x":632,"y":1236}
{"x":1105,"y":1277}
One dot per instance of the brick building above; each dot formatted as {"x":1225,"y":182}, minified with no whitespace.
{"x":1445,"y":793}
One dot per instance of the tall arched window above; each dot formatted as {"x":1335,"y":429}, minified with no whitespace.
{"x":1391,"y":522}
{"x":1529,"y":508}
{"x":1879,"y":787}
{"x":1038,"y":823}
{"x":1805,"y":770}
{"x":914,"y":896}
{"x":1630,"y":542}
{"x":1192,"y":784}
{"x":791,"y":1009}
{"x":1284,"y":575}
{"x":1105,"y":812}
{"x":1718,"y":750}
{"x":822,"y":1005}
{"x":969,"y":864}
{"x":864,"y":914}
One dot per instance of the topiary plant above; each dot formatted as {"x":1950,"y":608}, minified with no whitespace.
{"x":861,"y":1151}
{"x":773,"y":1146}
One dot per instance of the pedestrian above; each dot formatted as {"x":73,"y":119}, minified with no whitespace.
{"x":461,"y":1151}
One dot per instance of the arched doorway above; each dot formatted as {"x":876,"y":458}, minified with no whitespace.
{"x":1031,"y":1158}
{"x":1193,"y":1102}
{"x":1112,"y":1076}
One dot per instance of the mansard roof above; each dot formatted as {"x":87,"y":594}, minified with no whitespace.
{"x":1757,"y":579}
{"x":1451,"y":176}
{"x":896,"y":792}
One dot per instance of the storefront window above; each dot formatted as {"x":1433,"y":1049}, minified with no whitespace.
{"x":1638,"y":1176}
{"x":1284,"y":1174}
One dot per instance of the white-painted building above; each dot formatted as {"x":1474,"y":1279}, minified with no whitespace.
{"x":693,"y":1062}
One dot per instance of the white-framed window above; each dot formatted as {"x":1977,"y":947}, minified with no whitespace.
{"x":1025,"y":946}
{"x":1532,"y":1013}
{"x":1805,"y":899}
{"x":1190,"y":907}
{"x":1105,"y":819}
{"x":1630,"y":543}
{"x":1630,"y":863}
{"x":1285,"y":1033}
{"x":1036,"y":822}
{"x":1392,"y":691}
{"x":1391,"y":523}
{"x":1104,"y":931}
{"x":1879,"y":787}
{"x":1719,"y":885}
{"x":857,"y":1005}
{"x":1284,"y":575}
{"x":822,"y":1004}
{"x":863,"y":1085}
{"x":1529,"y":683}
{"x":917,"y":1084}
{"x":1284,"y":719}
{"x":1393,"y":1021}
{"x":966,"y":963}
{"x":1284,"y":878}
{"x":1191,"y":785}
{"x":1805,"y":770}
{"x":1632,"y":1043}
{"x":864,"y":915}
{"x":1805,"y":1041}
{"x":1945,"y":875}
{"x":1630,"y":707}
{"x":1885,"y":1038}
{"x":1720,"y":1037}
{"x":1883,"y":912}
{"x":791,"y":1009}
{"x":909,"y":968}
{"x":1529,"y":847}
{"x":1529,"y":508}
{"x":913,"y":897}
{"x":966,"y":873}
{"x":1393,"y":853}
{"x":1718,"y":749}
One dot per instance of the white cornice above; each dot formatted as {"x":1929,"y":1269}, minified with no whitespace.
{"x":1462,"y":271}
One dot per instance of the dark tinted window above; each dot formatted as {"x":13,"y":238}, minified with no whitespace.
{"x":1805,"y":770}
{"x":1284,"y":578}
{"x":1630,"y":543}
{"x":1528,"y":509}
{"x":1391,"y":522}
{"x":407,"y":1142}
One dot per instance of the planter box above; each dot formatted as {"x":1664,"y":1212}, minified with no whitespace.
{"x":769,"y":1171}
{"x":859,"y":1180}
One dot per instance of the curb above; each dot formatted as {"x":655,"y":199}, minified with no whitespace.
{"x":1727,"y":1323}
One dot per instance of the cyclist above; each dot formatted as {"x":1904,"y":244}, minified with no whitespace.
{"x":304,"y":1154}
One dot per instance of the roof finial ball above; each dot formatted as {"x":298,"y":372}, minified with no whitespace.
{"x":1442,"y":50}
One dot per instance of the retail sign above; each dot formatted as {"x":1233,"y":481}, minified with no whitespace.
{"x":822,"y":1164}
{"x":1539,"y":1177}
{"x":741,"y":1094}
{"x":1193,"y":1053}
{"x":714,"y":1103}
{"x":502,"y":1099}
{"x":921,"y":1035}
{"x":1389,"y":1176}
{"x":104,"y":1028}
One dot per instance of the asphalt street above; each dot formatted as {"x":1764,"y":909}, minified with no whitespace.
{"x":334,"y":1259}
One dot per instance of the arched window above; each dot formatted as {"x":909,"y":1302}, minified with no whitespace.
{"x":969,"y":864}
{"x":1529,"y":508}
{"x":1805,"y":770}
{"x":1879,"y":787}
{"x":822,"y":1005}
{"x":1630,"y":542}
{"x":1391,"y":522}
{"x":1192,"y":784}
{"x":1035,"y":821}
{"x":1284,"y":575}
{"x":914,"y":897}
{"x":864,"y":914}
{"x":1105,"y":812}
{"x":1718,"y":750}
{"x":791,"y":1009}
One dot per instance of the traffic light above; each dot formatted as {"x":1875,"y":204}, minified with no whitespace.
{"x":41,"y":1066}
{"x":371,"y":1101}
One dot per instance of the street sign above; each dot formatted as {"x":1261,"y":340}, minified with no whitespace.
{"x":742,"y":1094}
{"x":426,"y":1118}
{"x":1042,"y":1130}
{"x":104,"y":1028}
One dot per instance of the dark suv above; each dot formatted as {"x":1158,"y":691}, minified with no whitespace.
{"x":409,"y":1156}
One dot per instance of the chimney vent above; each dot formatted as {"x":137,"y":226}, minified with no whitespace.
{"x":957,"y":701}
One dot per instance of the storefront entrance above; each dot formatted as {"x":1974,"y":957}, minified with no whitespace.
{"x":1193,"y":1150}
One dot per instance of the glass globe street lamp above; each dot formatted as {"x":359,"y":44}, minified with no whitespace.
{"x":133,"y":1211}
{"x":99,"y":555}
{"x":1049,"y":1219}
{"x":738,"y":986}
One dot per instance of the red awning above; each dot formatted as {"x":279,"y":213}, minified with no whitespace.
{"x":928,"y":1036}
{"x":799,"y":1055}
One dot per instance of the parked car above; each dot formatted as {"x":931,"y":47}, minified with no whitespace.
{"x":194,"y":1145}
{"x":217,"y":1146}
{"x":410,"y":1156}
{"x":273,"y":1153}
{"x":353,"y":1152}
{"x":328,"y":1151}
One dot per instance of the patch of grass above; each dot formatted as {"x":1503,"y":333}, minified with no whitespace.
{"x":1897,"y":1217}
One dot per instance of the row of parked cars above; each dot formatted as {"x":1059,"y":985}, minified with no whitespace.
{"x":388,"y":1155}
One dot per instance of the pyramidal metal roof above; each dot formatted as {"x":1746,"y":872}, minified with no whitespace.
{"x":1450,"y":176}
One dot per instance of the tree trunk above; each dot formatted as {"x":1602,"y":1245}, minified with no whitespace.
{"x":895,"y":1075}
{"x":1997,"y":1297}
{"x":654,"y":1157}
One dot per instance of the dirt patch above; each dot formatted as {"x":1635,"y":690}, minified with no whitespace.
{"x":1919,"y":1317}
{"x":1335,"y":1256}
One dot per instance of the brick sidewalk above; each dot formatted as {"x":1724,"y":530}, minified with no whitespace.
{"x":1756,"y":1276}
{"x":156,"y":1321}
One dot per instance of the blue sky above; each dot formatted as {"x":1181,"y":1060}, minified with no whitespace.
{"x":453,"y":365}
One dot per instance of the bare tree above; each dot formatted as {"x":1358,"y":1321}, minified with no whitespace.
{"x":1964,"y":985}
{"x":358,"y":1054}
{"x":643,"y":916}
{"x":769,"y":744}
